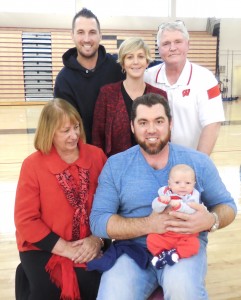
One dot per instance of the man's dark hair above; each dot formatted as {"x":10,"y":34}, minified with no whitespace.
{"x":86,"y":13}
{"x":150,"y":100}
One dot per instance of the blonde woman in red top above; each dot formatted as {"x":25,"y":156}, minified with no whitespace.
{"x":53,"y":201}
{"x":111,"y":123}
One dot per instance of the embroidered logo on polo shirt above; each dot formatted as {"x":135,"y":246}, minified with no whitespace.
{"x":185,"y":92}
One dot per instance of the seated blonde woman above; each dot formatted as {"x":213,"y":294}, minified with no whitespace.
{"x":53,"y":202}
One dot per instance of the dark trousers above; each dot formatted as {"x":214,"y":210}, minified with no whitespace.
{"x":33,"y":282}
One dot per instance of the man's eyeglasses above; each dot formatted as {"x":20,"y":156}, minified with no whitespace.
{"x":166,"y":24}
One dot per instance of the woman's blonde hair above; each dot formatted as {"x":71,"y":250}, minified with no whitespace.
{"x":133,"y":44}
{"x":51,"y":118}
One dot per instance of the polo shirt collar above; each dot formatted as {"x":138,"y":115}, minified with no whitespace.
{"x":183,"y":79}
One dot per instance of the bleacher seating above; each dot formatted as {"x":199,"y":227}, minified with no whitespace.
{"x":30,"y":59}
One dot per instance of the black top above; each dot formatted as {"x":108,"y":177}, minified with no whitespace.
{"x":128,"y":103}
{"x":80,"y":86}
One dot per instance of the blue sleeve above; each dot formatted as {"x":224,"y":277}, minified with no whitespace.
{"x":214,"y":191}
{"x":106,"y":202}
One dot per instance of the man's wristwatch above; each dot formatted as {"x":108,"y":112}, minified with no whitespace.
{"x":216,"y":223}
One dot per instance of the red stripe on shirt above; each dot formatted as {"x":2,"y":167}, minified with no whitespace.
{"x":213,"y":92}
{"x":190,"y":76}
{"x":175,"y":197}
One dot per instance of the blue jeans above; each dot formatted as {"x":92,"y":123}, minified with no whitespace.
{"x":183,"y":281}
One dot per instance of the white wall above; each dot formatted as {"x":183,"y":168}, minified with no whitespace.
{"x":230,"y":55}
{"x":35,"y":20}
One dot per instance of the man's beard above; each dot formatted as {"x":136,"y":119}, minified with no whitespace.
{"x":88,"y":56}
{"x":153,"y":149}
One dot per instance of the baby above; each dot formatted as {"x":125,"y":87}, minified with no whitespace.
{"x":167,"y":248}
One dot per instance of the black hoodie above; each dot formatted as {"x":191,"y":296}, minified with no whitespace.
{"x":80,"y":86}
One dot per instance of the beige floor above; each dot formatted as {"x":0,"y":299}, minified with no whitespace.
{"x":17,"y":124}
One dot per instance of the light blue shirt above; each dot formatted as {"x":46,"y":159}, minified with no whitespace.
{"x":128,"y":184}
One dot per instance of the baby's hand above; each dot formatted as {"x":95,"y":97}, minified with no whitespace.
{"x":175,"y":203}
{"x":164,"y":199}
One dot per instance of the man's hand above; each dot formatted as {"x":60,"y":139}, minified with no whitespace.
{"x":157,"y":221}
{"x":199,"y":221}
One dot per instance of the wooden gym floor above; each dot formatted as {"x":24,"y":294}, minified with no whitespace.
{"x":17,"y":126}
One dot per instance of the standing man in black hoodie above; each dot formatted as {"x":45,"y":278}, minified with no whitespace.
{"x":87,"y":67}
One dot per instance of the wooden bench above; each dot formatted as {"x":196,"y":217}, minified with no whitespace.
{"x":22,"y":286}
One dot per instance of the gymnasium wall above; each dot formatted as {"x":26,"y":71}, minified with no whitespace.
{"x":230,"y":56}
{"x":30,"y":58}
{"x":229,"y":50}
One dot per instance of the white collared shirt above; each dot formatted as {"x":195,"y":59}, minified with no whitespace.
{"x":195,"y":101}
